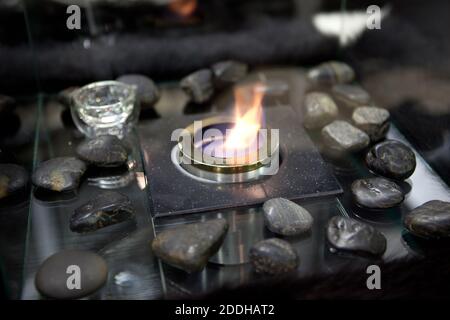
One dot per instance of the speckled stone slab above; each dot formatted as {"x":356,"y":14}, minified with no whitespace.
{"x":105,"y":209}
{"x":103,"y":151}
{"x":302,"y":174}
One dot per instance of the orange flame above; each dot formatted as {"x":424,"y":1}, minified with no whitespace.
{"x":248,"y":116}
{"x":183,"y":8}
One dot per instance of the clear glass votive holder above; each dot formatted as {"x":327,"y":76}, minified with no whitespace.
{"x":105,"y":107}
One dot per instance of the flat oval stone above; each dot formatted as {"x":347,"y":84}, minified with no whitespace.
{"x":59,"y":174}
{"x":320,"y":110}
{"x":147,"y":91}
{"x":13,"y":179}
{"x":430,"y":220}
{"x":228,"y":72}
{"x":286,"y":218}
{"x":354,"y":236}
{"x":330,"y":73}
{"x":59,"y":271}
{"x":189,"y":247}
{"x":273,"y":257}
{"x":391,"y":159}
{"x":377,"y":193}
{"x":373,"y":121}
{"x":107,"y":208}
{"x":199,"y":85}
{"x":103,"y":151}
{"x":352,"y":96}
{"x":342,"y":136}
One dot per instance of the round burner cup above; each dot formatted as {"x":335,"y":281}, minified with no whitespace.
{"x":201,"y":152}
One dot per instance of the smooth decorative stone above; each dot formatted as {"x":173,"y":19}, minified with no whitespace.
{"x":103,"y":151}
{"x":59,"y":174}
{"x":330,"y":73}
{"x":147,"y":91}
{"x":430,"y":220}
{"x":320,"y":110}
{"x":377,"y":193}
{"x":285,"y":217}
{"x":391,"y":159}
{"x":342,"y":136}
{"x":228,"y":72}
{"x":65,"y":96}
{"x":350,"y":235}
{"x":13,"y":178}
{"x":373,"y":121}
{"x":273,"y":257}
{"x":351,"y":95}
{"x":55,"y":273}
{"x":199,"y":85}
{"x":107,"y":208}
{"x":190,"y":246}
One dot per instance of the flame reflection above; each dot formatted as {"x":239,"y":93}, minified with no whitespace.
{"x":183,"y":8}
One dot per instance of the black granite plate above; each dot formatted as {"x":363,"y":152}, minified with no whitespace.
{"x":302,"y":174}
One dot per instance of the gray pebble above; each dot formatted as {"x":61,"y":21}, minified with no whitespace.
{"x":59,"y":174}
{"x":343,"y":137}
{"x":286,"y":218}
{"x":189,"y":247}
{"x":391,"y":159}
{"x":330,"y":73}
{"x":354,"y":236}
{"x":147,"y":91}
{"x":430,"y":220}
{"x":228,"y":72}
{"x":320,"y":110}
{"x":373,"y":121}
{"x":199,"y":85}
{"x":352,"y":96}
{"x":273,"y":257}
{"x":13,"y":179}
{"x":54,"y":274}
{"x":377,"y":193}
